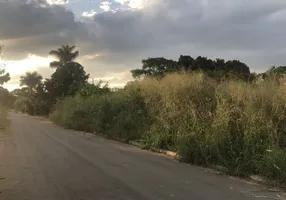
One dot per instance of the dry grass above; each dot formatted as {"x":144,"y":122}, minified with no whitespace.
{"x":239,"y":125}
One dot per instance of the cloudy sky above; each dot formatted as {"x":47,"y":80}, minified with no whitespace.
{"x":113,"y":36}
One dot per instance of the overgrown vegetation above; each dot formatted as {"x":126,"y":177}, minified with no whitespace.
{"x":239,"y":125}
{"x":209,"y":112}
{"x":38,"y":97}
{"x":6,"y":99}
{"x":4,"y":121}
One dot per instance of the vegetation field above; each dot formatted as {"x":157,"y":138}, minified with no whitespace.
{"x":238,"y":125}
{"x":211,"y":112}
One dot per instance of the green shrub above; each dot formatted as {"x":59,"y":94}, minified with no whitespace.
{"x":118,"y":115}
{"x":4,"y":121}
{"x":20,"y":105}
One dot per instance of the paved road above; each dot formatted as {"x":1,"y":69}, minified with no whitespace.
{"x":39,"y":161}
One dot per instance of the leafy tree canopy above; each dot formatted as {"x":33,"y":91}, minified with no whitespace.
{"x":158,"y":67}
{"x":31,"y":80}
{"x":155,"y":67}
{"x":66,"y":80}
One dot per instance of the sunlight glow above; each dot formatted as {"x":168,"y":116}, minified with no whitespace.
{"x":11,"y":87}
{"x":28,"y":64}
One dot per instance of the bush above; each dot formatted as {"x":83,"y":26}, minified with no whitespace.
{"x":21,"y":105}
{"x":119,"y":115}
{"x":4,"y":122}
{"x":231,"y":123}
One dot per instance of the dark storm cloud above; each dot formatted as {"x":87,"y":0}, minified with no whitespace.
{"x":242,"y":26}
{"x":208,"y":28}
{"x":217,"y":28}
{"x":36,"y":27}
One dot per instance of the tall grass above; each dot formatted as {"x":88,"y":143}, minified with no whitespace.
{"x":239,"y":125}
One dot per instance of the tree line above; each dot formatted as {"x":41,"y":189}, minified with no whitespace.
{"x":38,"y":96}
{"x":218,"y":69}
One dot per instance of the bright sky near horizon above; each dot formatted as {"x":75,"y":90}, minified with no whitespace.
{"x":113,"y":36}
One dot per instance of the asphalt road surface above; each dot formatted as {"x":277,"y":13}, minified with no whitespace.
{"x":40,"y":161}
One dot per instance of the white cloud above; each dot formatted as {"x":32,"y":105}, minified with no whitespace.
{"x":121,"y":1}
{"x":134,"y":4}
{"x":57,"y":2}
{"x":89,"y":14}
{"x":138,"y":3}
{"x":105,"y":5}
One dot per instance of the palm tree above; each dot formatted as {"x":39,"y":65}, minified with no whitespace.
{"x":31,"y":80}
{"x":65,"y":54}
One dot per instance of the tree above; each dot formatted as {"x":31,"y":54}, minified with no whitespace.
{"x":219,"y":64}
{"x":232,"y":69}
{"x":237,"y":67}
{"x":6,"y":98}
{"x":4,"y":77}
{"x":21,"y":92}
{"x":65,"y":55}
{"x":31,"y":80}
{"x":69,"y":75}
{"x":203,"y":64}
{"x":156,"y":67}
{"x":186,"y":62}
{"x":218,"y":69}
{"x":67,"y":80}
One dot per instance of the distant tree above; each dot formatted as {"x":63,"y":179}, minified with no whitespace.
{"x":6,"y":98}
{"x":4,"y":77}
{"x":31,"y":80}
{"x":219,"y":64}
{"x":237,"y":67}
{"x":21,"y":92}
{"x":203,"y":64}
{"x":156,"y":67}
{"x":65,"y":55}
{"x":20,"y":104}
{"x":186,"y":62}
{"x":218,"y":69}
